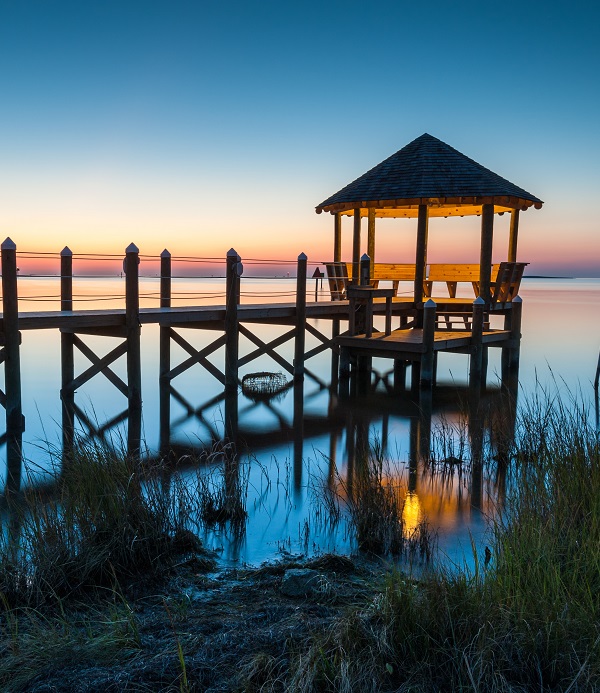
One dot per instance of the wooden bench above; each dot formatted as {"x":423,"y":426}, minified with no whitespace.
{"x":504,"y":287}
{"x":453,"y":274}
{"x":394,"y":273}
{"x":339,"y":276}
{"x":505,"y":278}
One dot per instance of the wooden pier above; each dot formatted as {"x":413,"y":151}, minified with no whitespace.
{"x":406,"y":345}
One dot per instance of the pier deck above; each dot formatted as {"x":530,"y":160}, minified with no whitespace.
{"x":411,"y":341}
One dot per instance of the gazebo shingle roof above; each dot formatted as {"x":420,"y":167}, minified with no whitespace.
{"x":428,"y":170}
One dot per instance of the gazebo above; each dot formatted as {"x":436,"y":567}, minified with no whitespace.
{"x":428,"y":178}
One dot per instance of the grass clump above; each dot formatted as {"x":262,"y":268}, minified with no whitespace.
{"x":528,"y":620}
{"x":106,"y":519}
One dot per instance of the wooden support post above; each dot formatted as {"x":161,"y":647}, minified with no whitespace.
{"x":365,"y":270}
{"x":134,"y":357}
{"x":165,"y":279}
{"x":426,"y":375}
{"x":164,"y":366}
{"x":515,"y":336}
{"x":300,"y":337}
{"x":476,"y":363}
{"x":415,"y":378}
{"x":371,"y":238}
{"x":335,"y":354}
{"x":487,"y":241}
{"x":399,"y":376}
{"x":66,"y":279}
{"x":337,"y":237}
{"x":513,"y":237}
{"x":12,"y":366}
{"x":356,"y":246}
{"x":421,"y":253}
{"x":345,"y":372}
{"x":67,"y":358}
{"x":232,"y":336}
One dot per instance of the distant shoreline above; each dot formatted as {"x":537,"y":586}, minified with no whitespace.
{"x":547,"y":276}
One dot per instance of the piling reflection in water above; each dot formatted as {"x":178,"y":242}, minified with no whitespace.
{"x":448,"y":451}
{"x":439,"y":472}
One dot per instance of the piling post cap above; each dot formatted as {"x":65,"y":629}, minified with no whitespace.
{"x":8,"y":244}
{"x":165,"y":253}
{"x":302,"y":256}
{"x":365,"y":258}
{"x":517,"y":299}
{"x":478,"y":301}
{"x":430,"y":304}
{"x":232,"y":253}
{"x":132,"y":248}
{"x":66,"y":252}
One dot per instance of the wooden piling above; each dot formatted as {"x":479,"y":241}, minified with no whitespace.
{"x":514,"y":352}
{"x":337,"y":237}
{"x":300,"y":336}
{"x":399,"y":376}
{"x":164,"y":367}
{"x":487,"y":240}
{"x":335,"y":354}
{"x":365,"y":270}
{"x":134,"y":359}
{"x":232,"y":340}
{"x":12,"y":366}
{"x":426,"y":374}
{"x":356,"y":246}
{"x":476,"y":363}
{"x":345,"y":372}
{"x":371,"y":237}
{"x":421,"y":253}
{"x":513,"y":236}
{"x":67,"y":357}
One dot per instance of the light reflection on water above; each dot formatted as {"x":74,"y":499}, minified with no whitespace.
{"x":561,"y":339}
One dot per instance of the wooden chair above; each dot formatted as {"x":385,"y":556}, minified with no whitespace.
{"x":338,"y":276}
{"x":508,"y":281}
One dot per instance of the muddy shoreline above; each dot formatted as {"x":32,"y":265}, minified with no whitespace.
{"x":233,"y":630}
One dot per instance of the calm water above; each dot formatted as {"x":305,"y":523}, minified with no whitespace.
{"x":288,"y":473}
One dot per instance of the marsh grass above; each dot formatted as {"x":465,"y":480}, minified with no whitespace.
{"x":107,"y":519}
{"x":222,"y":490}
{"x":370,"y":501}
{"x":528,"y":620}
{"x":32,"y":641}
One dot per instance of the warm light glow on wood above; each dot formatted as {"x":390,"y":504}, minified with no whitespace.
{"x":435,"y":210}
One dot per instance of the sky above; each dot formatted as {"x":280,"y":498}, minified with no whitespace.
{"x":201,"y":126}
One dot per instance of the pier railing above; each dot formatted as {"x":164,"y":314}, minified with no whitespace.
{"x":129,"y":305}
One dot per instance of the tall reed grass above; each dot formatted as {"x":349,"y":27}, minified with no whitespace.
{"x":525,"y":619}
{"x":105,"y":518}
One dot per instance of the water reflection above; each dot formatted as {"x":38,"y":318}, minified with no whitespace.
{"x":449,"y":455}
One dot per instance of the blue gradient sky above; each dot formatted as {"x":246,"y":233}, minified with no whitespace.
{"x":203,"y":125}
